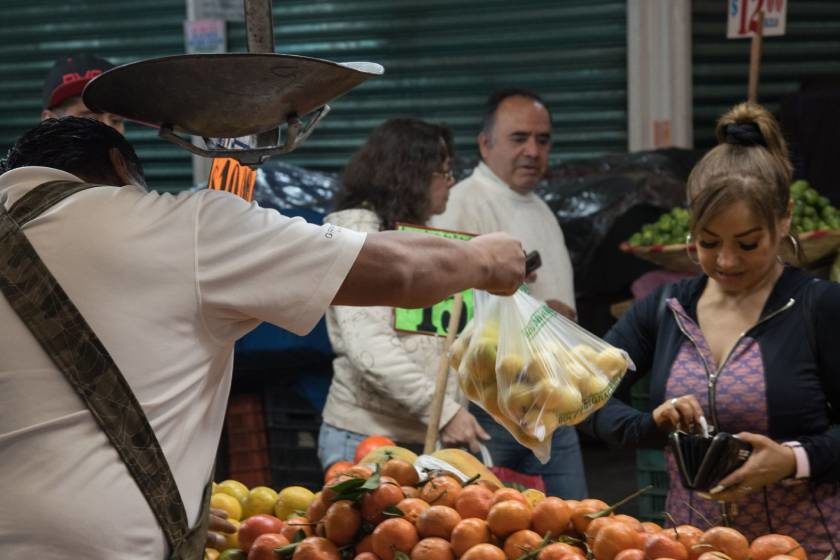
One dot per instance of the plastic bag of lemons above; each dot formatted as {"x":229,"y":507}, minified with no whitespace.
{"x":532,"y":369}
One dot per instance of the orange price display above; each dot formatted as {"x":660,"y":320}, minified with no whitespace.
{"x":227,"y":174}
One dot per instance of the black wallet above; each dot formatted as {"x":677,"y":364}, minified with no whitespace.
{"x":703,"y":461}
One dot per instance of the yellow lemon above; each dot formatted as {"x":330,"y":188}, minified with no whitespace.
{"x":260,"y":500}
{"x":533,"y":496}
{"x":291,"y":500}
{"x":211,"y":554}
{"x":232,"y":539}
{"x":233,"y":488}
{"x":228,"y":503}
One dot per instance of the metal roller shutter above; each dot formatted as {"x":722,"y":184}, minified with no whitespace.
{"x":810,"y":47}
{"x":34,"y":33}
{"x":442,"y":58}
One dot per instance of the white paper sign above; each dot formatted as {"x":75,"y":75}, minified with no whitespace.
{"x":205,"y":36}
{"x":743,"y":15}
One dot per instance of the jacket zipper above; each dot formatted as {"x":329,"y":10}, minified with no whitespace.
{"x":713,"y":377}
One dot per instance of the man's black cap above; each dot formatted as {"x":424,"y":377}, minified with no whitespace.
{"x":69,"y":76}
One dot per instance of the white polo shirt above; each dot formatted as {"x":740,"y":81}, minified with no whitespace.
{"x":168,"y":283}
{"x":483,"y":203}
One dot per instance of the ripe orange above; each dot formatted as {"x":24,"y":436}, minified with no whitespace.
{"x":264,"y":545}
{"x":474,"y":501}
{"x":432,"y":548}
{"x":507,"y":517}
{"x":402,"y":471}
{"x":360,"y":471}
{"x":651,"y":527}
{"x":337,"y":468}
{"x":688,"y":535}
{"x":366,"y":556}
{"x":613,"y":538}
{"x":437,"y":521}
{"x":328,"y":493}
{"x":492,"y":486}
{"x":634,"y":523}
{"x":369,"y":444}
{"x":374,"y":503}
{"x":295,"y":524}
{"x":410,"y":491}
{"x":503,"y":494}
{"x":595,"y":527}
{"x":582,"y":509}
{"x":661,"y":545}
{"x":631,"y":554}
{"x":551,"y":515}
{"x":727,"y":540}
{"x":317,"y":508}
{"x":767,"y":546}
{"x":484,"y":552}
{"x":412,"y":508}
{"x":442,"y":490}
{"x":521,"y":543}
{"x":561,"y":551}
{"x":713,"y":555}
{"x":341,"y":522}
{"x":365,"y":544}
{"x":392,"y":535}
{"x":316,"y":548}
{"x":255,"y":526}
{"x":468,"y":533}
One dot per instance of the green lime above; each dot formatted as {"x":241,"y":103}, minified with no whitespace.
{"x":233,"y":554}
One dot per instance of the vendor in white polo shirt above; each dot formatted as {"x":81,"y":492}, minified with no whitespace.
{"x":167,"y":283}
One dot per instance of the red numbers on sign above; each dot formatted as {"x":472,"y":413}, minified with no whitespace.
{"x":750,"y":9}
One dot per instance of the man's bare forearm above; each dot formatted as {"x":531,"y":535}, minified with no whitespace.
{"x":404,"y":269}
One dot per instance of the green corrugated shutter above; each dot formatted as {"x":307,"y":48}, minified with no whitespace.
{"x":36,"y":32}
{"x":810,"y":47}
{"x":442,"y":58}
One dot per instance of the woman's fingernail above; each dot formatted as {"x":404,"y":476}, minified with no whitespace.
{"x":716,"y":489}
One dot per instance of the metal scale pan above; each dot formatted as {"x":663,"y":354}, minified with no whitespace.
{"x":224,"y":96}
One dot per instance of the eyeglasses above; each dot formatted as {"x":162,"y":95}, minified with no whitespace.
{"x":447,"y":175}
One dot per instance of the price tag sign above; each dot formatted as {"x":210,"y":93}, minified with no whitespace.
{"x":433,"y":320}
{"x":227,"y":174}
{"x":743,"y":15}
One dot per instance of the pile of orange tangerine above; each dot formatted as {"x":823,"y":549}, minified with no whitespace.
{"x":389,"y":515}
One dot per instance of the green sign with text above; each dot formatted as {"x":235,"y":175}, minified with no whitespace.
{"x":433,"y":320}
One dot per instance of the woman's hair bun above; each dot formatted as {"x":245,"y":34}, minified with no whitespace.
{"x":744,"y":134}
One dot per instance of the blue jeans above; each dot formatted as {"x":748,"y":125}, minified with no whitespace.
{"x":563,"y":474}
{"x":335,"y":444}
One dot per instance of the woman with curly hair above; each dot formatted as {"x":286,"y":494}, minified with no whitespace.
{"x":383,"y":380}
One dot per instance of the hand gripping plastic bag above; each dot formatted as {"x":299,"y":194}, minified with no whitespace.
{"x":532,"y":369}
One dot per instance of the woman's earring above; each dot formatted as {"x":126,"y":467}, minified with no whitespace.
{"x":690,"y":249}
{"x":794,"y":243}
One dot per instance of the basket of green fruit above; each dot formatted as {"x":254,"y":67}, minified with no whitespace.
{"x":663,"y":242}
{"x":815,"y":221}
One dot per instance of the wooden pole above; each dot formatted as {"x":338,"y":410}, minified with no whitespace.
{"x":442,"y":378}
{"x":755,"y":57}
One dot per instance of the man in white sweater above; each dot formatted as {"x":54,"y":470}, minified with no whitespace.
{"x":514,"y":144}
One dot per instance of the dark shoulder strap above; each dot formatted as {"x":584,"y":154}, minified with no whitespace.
{"x":48,"y":313}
